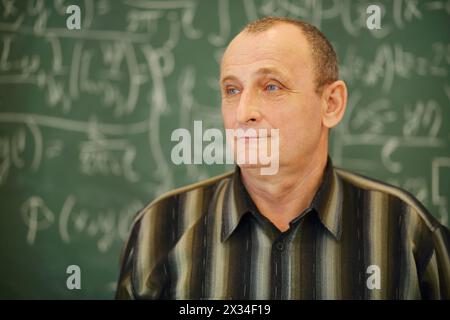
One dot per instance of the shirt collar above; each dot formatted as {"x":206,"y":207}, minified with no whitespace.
{"x":327,"y":202}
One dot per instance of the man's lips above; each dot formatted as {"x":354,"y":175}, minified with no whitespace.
{"x":248,"y":138}
{"x":252,"y":134}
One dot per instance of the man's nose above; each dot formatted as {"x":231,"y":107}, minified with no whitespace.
{"x":248,"y":108}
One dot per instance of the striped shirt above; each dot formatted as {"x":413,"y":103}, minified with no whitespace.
{"x":359,"y":239}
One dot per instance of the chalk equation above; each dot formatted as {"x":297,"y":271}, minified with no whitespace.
{"x":72,"y":221}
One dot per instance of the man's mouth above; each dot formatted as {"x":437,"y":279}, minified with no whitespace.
{"x":251,"y":136}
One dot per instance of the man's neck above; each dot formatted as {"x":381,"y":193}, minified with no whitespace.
{"x":283,"y":196}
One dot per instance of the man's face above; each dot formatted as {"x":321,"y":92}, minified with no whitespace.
{"x":267,"y":82}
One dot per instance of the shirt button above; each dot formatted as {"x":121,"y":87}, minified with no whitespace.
{"x":280,"y":246}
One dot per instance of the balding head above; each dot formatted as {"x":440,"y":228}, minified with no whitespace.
{"x":323,"y":56}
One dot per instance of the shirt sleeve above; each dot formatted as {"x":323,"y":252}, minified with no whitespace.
{"x":124,"y":287}
{"x":435,"y":280}
{"x":142,"y":277}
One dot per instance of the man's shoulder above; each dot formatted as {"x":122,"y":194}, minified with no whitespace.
{"x":376,"y":187}
{"x":196,"y":191}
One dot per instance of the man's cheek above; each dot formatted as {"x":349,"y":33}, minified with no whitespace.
{"x":228,"y":122}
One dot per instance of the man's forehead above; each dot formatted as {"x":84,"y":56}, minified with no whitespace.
{"x":282,"y":44}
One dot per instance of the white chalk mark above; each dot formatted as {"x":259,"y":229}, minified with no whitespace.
{"x":436,"y":165}
{"x":4,"y":65}
{"x":443,"y":214}
{"x":250,"y":10}
{"x":383,"y":67}
{"x":187,"y":18}
{"x":135,"y":80}
{"x":425,"y":116}
{"x":435,"y":5}
{"x":138,"y":18}
{"x":20,"y":78}
{"x":380,"y":140}
{"x":346,"y":18}
{"x":100,"y":156}
{"x":37,"y":216}
{"x":224,"y":25}
{"x":75,"y":69}
{"x":441,"y":201}
{"x":88,"y":14}
{"x":64,"y":218}
{"x":37,"y":136}
{"x":160,"y":5}
{"x":80,"y":34}
{"x":447,"y":91}
{"x":186,"y":84}
{"x":170,"y":44}
{"x":56,"y":50}
{"x":74,"y":125}
{"x":17,"y":146}
{"x":386,"y":155}
{"x":158,"y":106}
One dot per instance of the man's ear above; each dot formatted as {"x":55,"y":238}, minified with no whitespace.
{"x":334,"y":102}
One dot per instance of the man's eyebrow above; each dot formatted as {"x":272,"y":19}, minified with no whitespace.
{"x":267,"y":71}
{"x":228,"y":78}
{"x":261,"y":71}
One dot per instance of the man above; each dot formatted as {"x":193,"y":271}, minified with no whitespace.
{"x":310,"y":231}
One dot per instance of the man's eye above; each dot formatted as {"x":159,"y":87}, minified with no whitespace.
{"x":231,"y":91}
{"x":272,"y":87}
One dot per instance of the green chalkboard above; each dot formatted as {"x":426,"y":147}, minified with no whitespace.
{"x":86,"y":117}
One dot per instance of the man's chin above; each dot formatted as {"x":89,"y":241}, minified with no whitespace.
{"x":258,"y":167}
{"x":249,"y":166}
